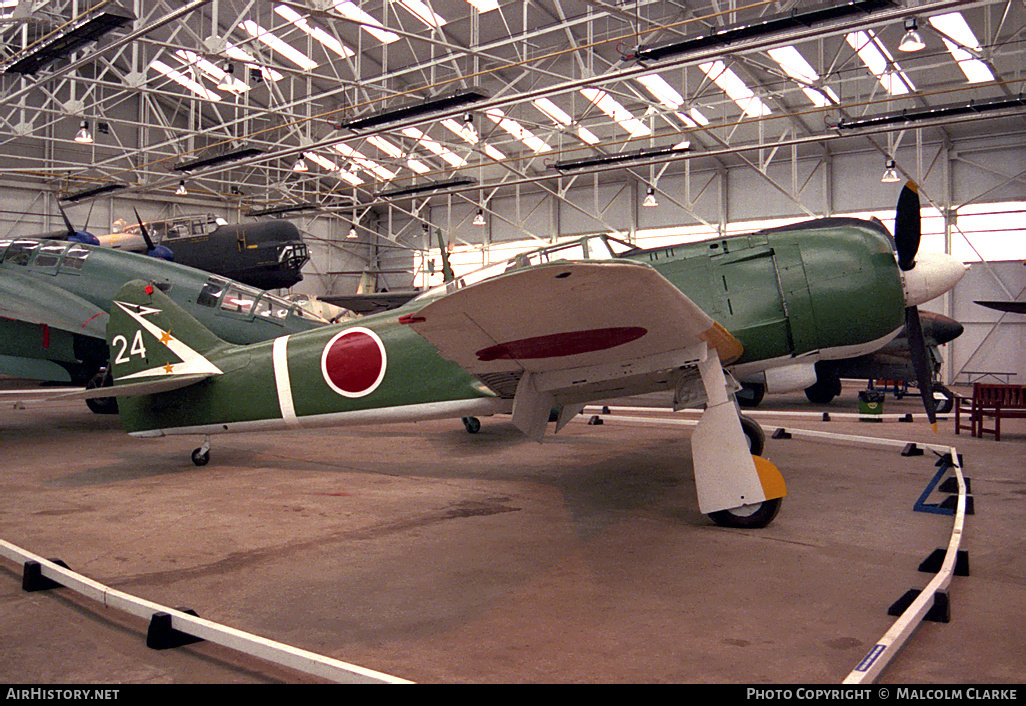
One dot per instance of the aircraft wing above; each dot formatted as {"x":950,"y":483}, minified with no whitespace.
{"x":569,"y":332}
{"x":26,"y":299}
{"x":369,"y":303}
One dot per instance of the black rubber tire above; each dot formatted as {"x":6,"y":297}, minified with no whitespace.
{"x":200,"y":457}
{"x":472,"y":424}
{"x":750,"y":394}
{"x":754,"y":433}
{"x":945,"y":405}
{"x":101,"y":405}
{"x":748,"y":516}
{"x":823,"y":391}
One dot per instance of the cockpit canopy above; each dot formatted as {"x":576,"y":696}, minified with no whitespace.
{"x":592,"y":247}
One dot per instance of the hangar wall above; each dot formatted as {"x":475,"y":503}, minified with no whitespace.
{"x":978,"y":171}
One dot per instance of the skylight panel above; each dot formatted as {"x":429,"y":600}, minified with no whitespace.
{"x":494,"y":153}
{"x":433,"y":146}
{"x":465,"y":131}
{"x":879,"y":62}
{"x":279,"y":45}
{"x":212,"y":70}
{"x":561,"y":116}
{"x":625,"y":118}
{"x":183,"y":80}
{"x":731,"y":84}
{"x":953,"y":26}
{"x":240,"y":54}
{"x":485,"y":5}
{"x":368,"y":164}
{"x":423,"y":13}
{"x":328,"y":41}
{"x":795,"y":66}
{"x":393,"y":151}
{"x":517,"y":130}
{"x":371,"y":25}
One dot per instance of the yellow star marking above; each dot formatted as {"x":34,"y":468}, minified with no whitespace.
{"x":168,"y":367}
{"x":165,"y":337}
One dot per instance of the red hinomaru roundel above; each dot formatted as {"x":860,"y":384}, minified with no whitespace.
{"x":353,"y":363}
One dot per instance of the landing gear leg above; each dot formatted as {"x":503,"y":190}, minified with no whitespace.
{"x":201,"y":456}
{"x":736,"y":487}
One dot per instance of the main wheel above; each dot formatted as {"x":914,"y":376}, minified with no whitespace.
{"x":751,"y":516}
{"x":201,"y":457}
{"x":750,"y":394}
{"x":754,"y":434}
{"x":823,"y":391}
{"x":944,"y":398}
{"x":473,"y":424}
{"x":101,"y":405}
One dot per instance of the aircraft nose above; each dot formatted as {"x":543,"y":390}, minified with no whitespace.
{"x":945,"y":329}
{"x":933,"y":275}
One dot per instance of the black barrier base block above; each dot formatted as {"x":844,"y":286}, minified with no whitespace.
{"x":951,"y":485}
{"x":161,"y":636}
{"x":781,"y":434}
{"x":906,"y":418}
{"x":951,"y":503}
{"x":911,"y":450}
{"x":595,"y":420}
{"x":32,"y":578}
{"x":932,"y":564}
{"x":939,"y":612}
{"x":826,"y":416}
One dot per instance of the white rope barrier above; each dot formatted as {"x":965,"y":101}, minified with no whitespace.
{"x":246,"y":643}
{"x":891,"y":643}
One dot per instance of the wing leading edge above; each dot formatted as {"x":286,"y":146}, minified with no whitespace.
{"x":570,"y":332}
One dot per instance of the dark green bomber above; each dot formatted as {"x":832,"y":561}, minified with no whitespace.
{"x":792,"y":290}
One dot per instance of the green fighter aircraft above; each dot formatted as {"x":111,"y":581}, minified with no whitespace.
{"x":553,"y":330}
{"x":55,"y":296}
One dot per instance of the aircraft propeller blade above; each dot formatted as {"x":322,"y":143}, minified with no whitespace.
{"x":145,"y":233}
{"x":907,"y":226}
{"x":908,"y":231}
{"x":67,"y":221}
{"x":921,"y":362}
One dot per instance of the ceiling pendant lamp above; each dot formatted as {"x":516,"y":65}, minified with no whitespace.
{"x":84,"y":136}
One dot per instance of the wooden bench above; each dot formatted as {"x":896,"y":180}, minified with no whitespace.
{"x":997,"y":401}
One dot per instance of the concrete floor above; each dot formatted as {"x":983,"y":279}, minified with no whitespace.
{"x":437,"y":556}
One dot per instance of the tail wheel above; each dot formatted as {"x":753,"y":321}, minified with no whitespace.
{"x":752,"y":516}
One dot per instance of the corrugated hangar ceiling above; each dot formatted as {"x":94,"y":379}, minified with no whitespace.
{"x":390,"y":100}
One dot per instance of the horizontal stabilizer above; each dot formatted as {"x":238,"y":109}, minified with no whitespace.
{"x":134,"y":389}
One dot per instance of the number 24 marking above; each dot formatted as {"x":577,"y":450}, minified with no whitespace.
{"x":120,"y":342}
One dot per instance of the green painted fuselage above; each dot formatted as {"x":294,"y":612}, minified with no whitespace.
{"x":55,"y":297}
{"x":785,"y":294}
{"x":791,"y":291}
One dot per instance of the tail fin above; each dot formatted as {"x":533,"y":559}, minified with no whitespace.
{"x":152,"y":338}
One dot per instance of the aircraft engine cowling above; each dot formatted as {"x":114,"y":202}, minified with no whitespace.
{"x":790,"y":378}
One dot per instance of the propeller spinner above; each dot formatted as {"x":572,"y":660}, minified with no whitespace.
{"x":78,"y":236}
{"x":159,"y":251}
